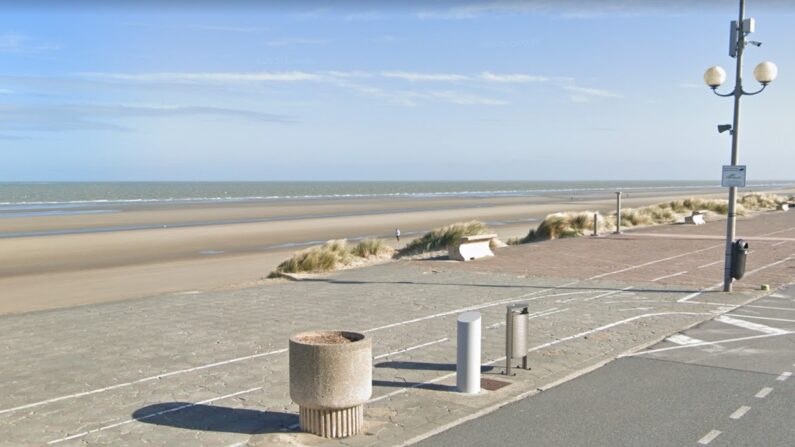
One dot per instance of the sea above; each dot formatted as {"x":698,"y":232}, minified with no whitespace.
{"x":76,"y":197}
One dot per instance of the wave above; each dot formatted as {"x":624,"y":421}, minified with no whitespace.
{"x":429,"y":194}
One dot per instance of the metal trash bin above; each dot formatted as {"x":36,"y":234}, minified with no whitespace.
{"x":739,"y":255}
{"x":516,"y":335}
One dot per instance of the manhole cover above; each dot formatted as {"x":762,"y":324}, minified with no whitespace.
{"x":492,"y":384}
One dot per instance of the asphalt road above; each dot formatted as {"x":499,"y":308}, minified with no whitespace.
{"x":723,"y":383}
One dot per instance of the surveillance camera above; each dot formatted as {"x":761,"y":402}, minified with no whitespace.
{"x":724,"y":127}
{"x":755,"y":43}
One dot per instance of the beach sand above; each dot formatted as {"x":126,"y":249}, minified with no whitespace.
{"x":195,"y":247}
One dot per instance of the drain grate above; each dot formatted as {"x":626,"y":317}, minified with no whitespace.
{"x":492,"y":384}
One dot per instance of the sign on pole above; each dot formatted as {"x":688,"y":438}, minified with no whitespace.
{"x":733,"y":176}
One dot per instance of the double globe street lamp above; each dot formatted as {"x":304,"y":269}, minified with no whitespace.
{"x":714,"y":77}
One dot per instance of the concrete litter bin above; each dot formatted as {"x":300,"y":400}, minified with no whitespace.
{"x":331,"y":377}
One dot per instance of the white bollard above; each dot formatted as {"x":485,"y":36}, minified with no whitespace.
{"x":468,"y":355}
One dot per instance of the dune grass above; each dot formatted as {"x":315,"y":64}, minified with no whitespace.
{"x":371,"y":247}
{"x":440,"y":238}
{"x":331,"y":256}
{"x":578,"y":223}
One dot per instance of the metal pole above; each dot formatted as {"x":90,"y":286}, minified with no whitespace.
{"x":618,"y":212}
{"x":468,"y":353}
{"x":596,"y":224}
{"x":738,"y":92}
{"x":508,"y":341}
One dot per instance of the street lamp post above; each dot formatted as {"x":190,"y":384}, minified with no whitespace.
{"x":765,"y":73}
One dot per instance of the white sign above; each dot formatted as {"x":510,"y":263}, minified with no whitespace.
{"x":733,"y":176}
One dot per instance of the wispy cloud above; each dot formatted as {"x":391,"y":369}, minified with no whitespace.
{"x":420,"y":77}
{"x":585,"y":91}
{"x":68,"y":117}
{"x":209,"y":77}
{"x":14,"y":43}
{"x":516,"y":77}
{"x":290,"y":41}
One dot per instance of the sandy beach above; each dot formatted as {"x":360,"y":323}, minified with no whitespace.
{"x":135,"y":251}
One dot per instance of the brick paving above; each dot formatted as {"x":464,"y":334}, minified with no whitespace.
{"x":211,"y":368}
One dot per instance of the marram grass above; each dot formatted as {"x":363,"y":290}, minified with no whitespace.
{"x":331,"y":256}
{"x":441,"y":238}
{"x":578,"y":223}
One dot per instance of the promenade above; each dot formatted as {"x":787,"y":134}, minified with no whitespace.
{"x":210,"y":368}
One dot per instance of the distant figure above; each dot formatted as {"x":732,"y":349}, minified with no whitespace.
{"x":397,"y":234}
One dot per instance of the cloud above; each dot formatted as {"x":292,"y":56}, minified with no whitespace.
{"x":459,"y":98}
{"x":585,"y":91}
{"x":13,"y":43}
{"x":70,"y":117}
{"x":418,"y":77}
{"x":290,"y":41}
{"x":210,"y":77}
{"x":488,"y":76}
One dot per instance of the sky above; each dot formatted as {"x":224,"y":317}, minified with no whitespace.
{"x":433,"y":90}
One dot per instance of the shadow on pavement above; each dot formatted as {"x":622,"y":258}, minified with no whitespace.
{"x":424,"y":386}
{"x":425,"y":366}
{"x":212,"y":418}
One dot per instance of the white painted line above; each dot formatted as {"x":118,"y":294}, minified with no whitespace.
{"x":765,"y":318}
{"x":529,"y":317}
{"x":784,"y":376}
{"x":740,"y":412}
{"x":770,"y":307}
{"x":756,"y":327}
{"x":706,"y":343}
{"x":683,"y":340}
{"x":668,"y":276}
{"x":613,"y":292}
{"x":710,"y":264}
{"x":151,"y":415}
{"x":533,"y":317}
{"x":778,"y":295}
{"x":401,"y":351}
{"x":145,"y":379}
{"x":645,"y":264}
{"x":779,"y":243}
{"x":709,"y":437}
{"x":767,"y":266}
{"x":608,"y":326}
{"x":764,"y":392}
{"x":693,"y":295}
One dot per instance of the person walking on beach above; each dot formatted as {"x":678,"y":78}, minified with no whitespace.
{"x":397,"y":234}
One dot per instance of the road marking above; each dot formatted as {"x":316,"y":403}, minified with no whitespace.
{"x":608,"y":326}
{"x":693,"y":295}
{"x":711,"y":263}
{"x":608,"y":294}
{"x":668,"y":276}
{"x":765,"y":318}
{"x":139,"y":381}
{"x":401,"y":351}
{"x":706,"y":343}
{"x":740,"y":412}
{"x":779,"y":243}
{"x":768,"y":266}
{"x":784,"y":376}
{"x":683,"y":340}
{"x":771,"y":307}
{"x":709,"y":437}
{"x":778,"y":295}
{"x":764,"y":392}
{"x":756,"y":327}
{"x":654,"y":262}
{"x":238,"y":359}
{"x":151,"y":415}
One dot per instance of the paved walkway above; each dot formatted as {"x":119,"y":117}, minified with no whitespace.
{"x":211,"y":368}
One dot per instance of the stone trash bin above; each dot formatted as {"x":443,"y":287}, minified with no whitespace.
{"x":331,"y":377}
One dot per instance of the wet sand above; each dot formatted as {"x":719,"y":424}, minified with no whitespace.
{"x":138,"y":251}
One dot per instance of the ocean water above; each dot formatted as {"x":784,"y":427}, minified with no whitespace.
{"x":17,"y":196}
